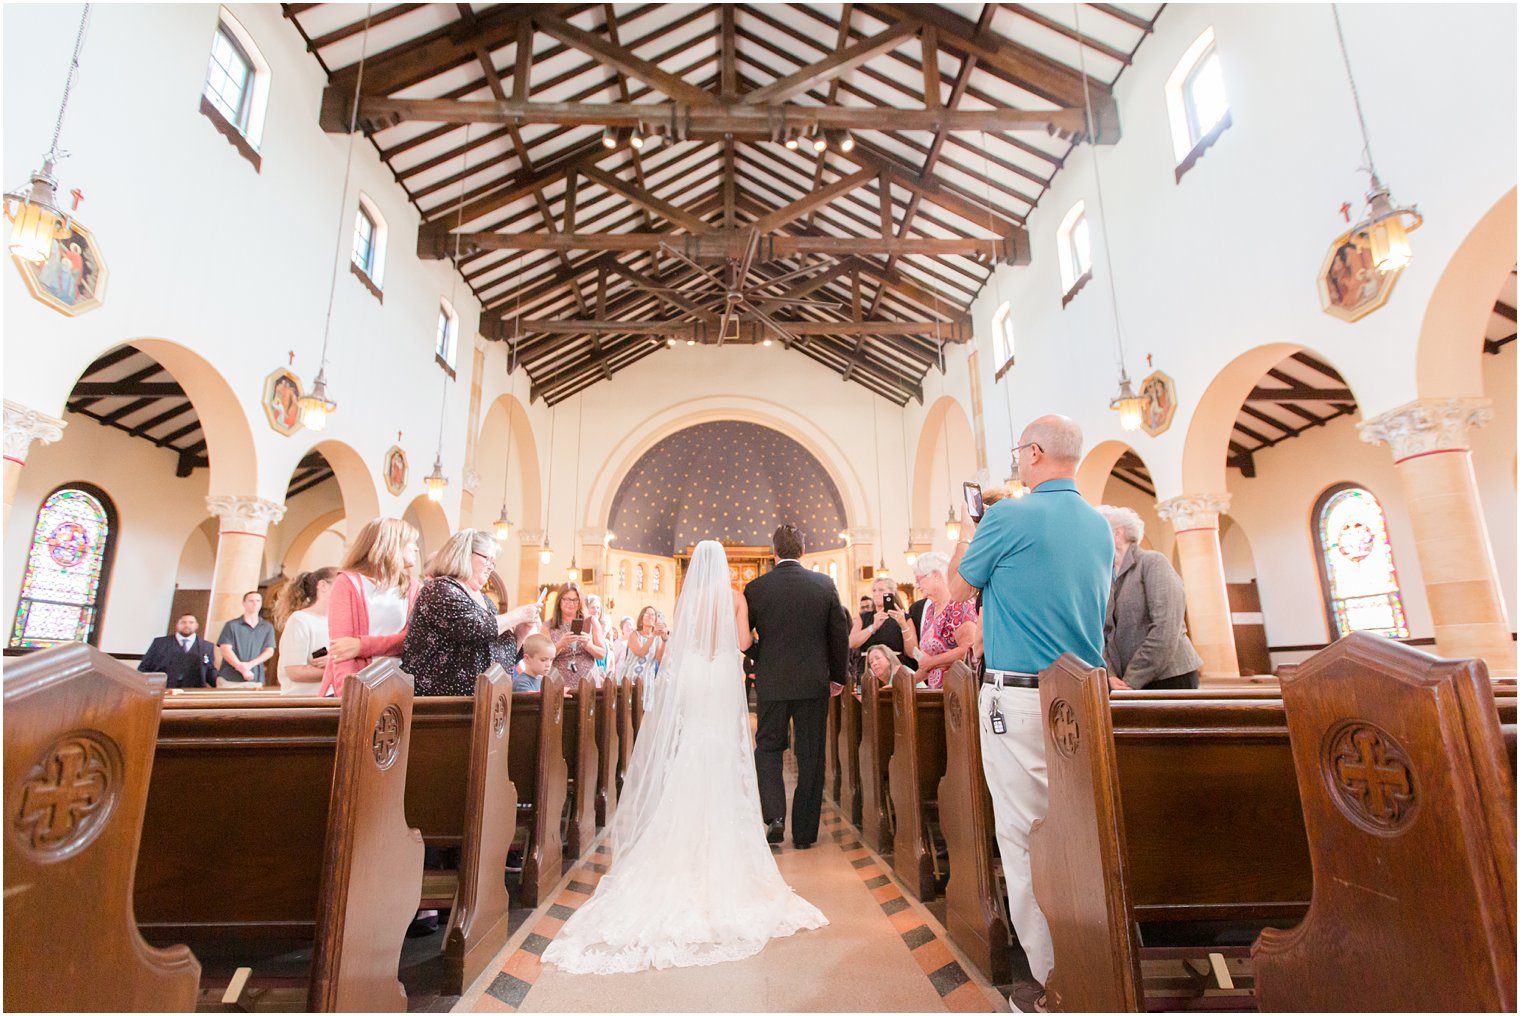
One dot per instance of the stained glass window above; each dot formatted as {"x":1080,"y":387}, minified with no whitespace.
{"x":659,"y":577}
{"x":1356,"y":563}
{"x":62,"y":589}
{"x":622,"y":574}
{"x":638,"y":578}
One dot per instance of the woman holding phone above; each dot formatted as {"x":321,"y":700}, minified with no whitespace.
{"x":577,"y":645}
{"x":885,"y":625}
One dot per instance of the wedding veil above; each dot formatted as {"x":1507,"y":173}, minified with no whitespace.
{"x":701,"y":681}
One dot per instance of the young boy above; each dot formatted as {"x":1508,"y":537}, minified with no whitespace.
{"x":536,"y":659}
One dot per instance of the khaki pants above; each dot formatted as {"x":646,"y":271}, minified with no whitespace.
{"x":222,"y":682}
{"x":1014,"y":764}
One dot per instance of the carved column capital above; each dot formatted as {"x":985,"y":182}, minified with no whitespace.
{"x":23,"y":425}
{"x":593,"y":536}
{"x":531,"y":537}
{"x":921,"y":538}
{"x":861,"y":535}
{"x":1193,"y":511}
{"x":244,"y":514}
{"x":1427,"y":425}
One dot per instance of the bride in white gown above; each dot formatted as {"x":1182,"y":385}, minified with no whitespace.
{"x":692,"y":880}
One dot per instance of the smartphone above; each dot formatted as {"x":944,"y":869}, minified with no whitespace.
{"x":578,"y":627}
{"x":889,"y":601}
{"x":973,"y":494}
{"x":319,"y":653}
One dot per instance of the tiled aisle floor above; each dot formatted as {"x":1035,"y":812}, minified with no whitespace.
{"x":882,"y":952}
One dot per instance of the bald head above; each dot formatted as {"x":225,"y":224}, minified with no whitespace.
{"x":1057,"y":448}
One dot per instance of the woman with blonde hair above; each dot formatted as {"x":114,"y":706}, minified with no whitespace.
{"x":885,"y":666}
{"x":371,"y":600}
{"x":301,"y":615}
{"x":455,"y":633}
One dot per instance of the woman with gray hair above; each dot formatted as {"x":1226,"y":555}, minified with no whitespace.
{"x":938,"y":646}
{"x":455,"y":633}
{"x":1145,"y":643}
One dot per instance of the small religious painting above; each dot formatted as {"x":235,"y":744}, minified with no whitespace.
{"x":282,"y":393}
{"x":1349,"y":286}
{"x":395,"y":470}
{"x":1159,"y":394}
{"x":73,"y":278}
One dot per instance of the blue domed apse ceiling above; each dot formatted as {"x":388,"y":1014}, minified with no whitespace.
{"x":728,"y":481}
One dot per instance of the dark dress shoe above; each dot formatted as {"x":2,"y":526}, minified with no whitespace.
{"x":803,"y":846}
{"x":775,"y":832}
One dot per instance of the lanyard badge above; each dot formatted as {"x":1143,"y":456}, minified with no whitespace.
{"x":995,"y":714}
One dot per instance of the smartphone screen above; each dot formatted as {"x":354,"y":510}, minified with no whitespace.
{"x":578,"y":627}
{"x":973,"y":493}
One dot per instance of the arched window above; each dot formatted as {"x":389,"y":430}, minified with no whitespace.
{"x":448,"y":329}
{"x":67,"y":569}
{"x":659,"y":578}
{"x":369,"y":244}
{"x":638,"y":578}
{"x":237,"y":83}
{"x":1074,"y":246}
{"x":834,"y":570}
{"x":1361,"y":585}
{"x":1197,"y":107}
{"x":622,"y":574}
{"x":1002,"y":339}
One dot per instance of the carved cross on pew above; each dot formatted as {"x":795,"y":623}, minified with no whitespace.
{"x":53,"y":805}
{"x":1381,"y":783}
{"x":1063,"y":727}
{"x":386,"y":739}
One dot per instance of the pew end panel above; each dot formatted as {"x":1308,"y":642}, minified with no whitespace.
{"x":607,"y":746}
{"x":1096,"y":959}
{"x":80,"y":731}
{"x":580,"y":758}
{"x":849,"y":756}
{"x":625,"y":729}
{"x":372,"y":860}
{"x":876,"y":740}
{"x":914,"y":772}
{"x":975,"y":917}
{"x":1409,"y":806}
{"x":537,"y":764}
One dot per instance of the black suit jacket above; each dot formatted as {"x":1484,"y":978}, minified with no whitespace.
{"x":195,"y":669}
{"x":804,"y":633}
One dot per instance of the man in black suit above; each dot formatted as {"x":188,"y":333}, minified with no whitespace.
{"x":803,"y":640}
{"x":189,"y":661}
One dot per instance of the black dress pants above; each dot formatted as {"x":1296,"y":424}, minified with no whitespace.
{"x":807,"y":720}
{"x":1179,"y":683}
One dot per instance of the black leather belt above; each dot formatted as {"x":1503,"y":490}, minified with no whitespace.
{"x":1010,"y":678}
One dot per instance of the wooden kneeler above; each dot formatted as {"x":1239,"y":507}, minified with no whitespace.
{"x":80,"y":730}
{"x":1410,"y":810}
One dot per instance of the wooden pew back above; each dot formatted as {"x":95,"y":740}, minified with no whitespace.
{"x":581,"y":755}
{"x":1077,"y":852}
{"x":877,"y":732}
{"x":607,"y":746}
{"x":1410,"y":809}
{"x":625,"y":729}
{"x":849,"y":755}
{"x":918,"y":763}
{"x":79,"y":753}
{"x":536,"y":762}
{"x":831,"y":751}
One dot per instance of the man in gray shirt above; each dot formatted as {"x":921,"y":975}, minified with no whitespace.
{"x":246,"y":642}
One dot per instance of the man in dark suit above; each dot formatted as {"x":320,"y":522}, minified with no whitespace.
{"x":803,"y":646}
{"x":190,"y":661}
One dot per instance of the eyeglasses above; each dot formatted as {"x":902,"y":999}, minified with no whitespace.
{"x":487,"y":558}
{"x":1015,"y":454}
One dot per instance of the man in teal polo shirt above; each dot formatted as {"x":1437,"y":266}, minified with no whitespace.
{"x":1043,"y":563}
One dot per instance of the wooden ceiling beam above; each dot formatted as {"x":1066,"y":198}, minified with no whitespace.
{"x":958,"y":330}
{"x":127,"y":389}
{"x":644,"y":199}
{"x":1260,"y":394}
{"x":622,"y":60}
{"x":732,"y":243}
{"x":840,"y":62}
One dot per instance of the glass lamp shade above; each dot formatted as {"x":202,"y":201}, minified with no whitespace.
{"x":1387,"y":234}
{"x":545,"y":555}
{"x":503,"y":526}
{"x":952,"y":525}
{"x":910,"y":555}
{"x":435,"y":481}
{"x":1128,"y":404}
{"x":35,"y":219}
{"x":572,"y":573}
{"x":1016,"y":488}
{"x":315,"y":406}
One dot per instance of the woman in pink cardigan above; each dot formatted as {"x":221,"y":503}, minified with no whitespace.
{"x":371,"y":601}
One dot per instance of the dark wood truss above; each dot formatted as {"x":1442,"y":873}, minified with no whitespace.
{"x":589,"y":257}
{"x":1300,"y":393}
{"x":129,"y":390}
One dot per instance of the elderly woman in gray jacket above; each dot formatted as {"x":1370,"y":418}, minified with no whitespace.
{"x":1145,"y":642}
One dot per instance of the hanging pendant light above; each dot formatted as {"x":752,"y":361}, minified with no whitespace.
{"x":503,"y":525}
{"x":1129,"y":405}
{"x":435,"y":481}
{"x":952,"y":525}
{"x":315,"y":406}
{"x":1385,"y":225}
{"x":572,"y":573}
{"x":36,"y":220}
{"x":545,"y":554}
{"x":910,"y":555}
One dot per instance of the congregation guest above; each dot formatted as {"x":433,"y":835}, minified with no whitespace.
{"x":1043,"y":563}
{"x":598,"y":620}
{"x":939,"y":646}
{"x":188,"y":660}
{"x":302,"y":614}
{"x":646,"y":648}
{"x":575,"y":656}
{"x":618,"y":651}
{"x":535,"y":663}
{"x":885,"y":666}
{"x":455,"y":633}
{"x":1145,"y":642}
{"x":246,"y":642}
{"x":371,"y":600}
{"x":875,"y":625}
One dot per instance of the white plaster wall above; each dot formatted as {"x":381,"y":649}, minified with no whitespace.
{"x":156,"y":516}
{"x":205,"y":252}
{"x":1493,"y":454}
{"x":197,"y":562}
{"x":326,"y":551}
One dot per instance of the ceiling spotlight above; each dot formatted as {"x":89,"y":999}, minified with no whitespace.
{"x":765,"y":341}
{"x":820,"y":141}
{"x":636,"y":138}
{"x":670,"y":341}
{"x":691,"y":342}
{"x":846,"y":141}
{"x":791,"y":142}
{"x":609,"y":137}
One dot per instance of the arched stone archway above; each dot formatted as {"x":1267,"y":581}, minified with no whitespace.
{"x":506,"y":414}
{"x":1097,"y":465}
{"x":431,"y":522}
{"x":946,"y":453}
{"x":356,"y":483}
{"x":295,"y":553}
{"x":1448,"y":360}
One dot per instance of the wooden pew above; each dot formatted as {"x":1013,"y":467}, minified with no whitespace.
{"x":849,"y":755}
{"x":274,"y":820}
{"x":460,"y":794}
{"x":625,"y":729}
{"x":876,"y":738}
{"x":608,"y":747}
{"x":79,"y":752}
{"x":918,"y":763}
{"x":975,"y":916}
{"x":1410,"y":809}
{"x":831,"y":752}
{"x":580,"y":756}
{"x":536,"y":763}
{"x":639,"y":689}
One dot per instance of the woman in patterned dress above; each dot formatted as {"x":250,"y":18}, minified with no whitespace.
{"x":937,"y":646}
{"x":575,"y":656}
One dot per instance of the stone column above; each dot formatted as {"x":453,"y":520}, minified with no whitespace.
{"x":239,"y":553}
{"x":529,"y":540}
{"x":1428,"y":439}
{"x":1195,"y":521}
{"x":24,"y":425}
